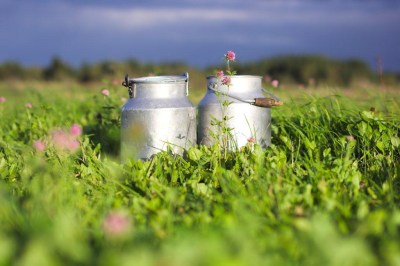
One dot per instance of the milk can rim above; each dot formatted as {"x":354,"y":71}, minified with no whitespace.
{"x":160,"y":79}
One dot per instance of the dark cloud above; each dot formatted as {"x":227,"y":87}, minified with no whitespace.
{"x":198,"y":32}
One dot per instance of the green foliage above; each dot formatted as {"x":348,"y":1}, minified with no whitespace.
{"x":310,"y":70}
{"x":58,"y":70}
{"x":13,"y":71}
{"x":307,"y":70}
{"x":326,"y":192}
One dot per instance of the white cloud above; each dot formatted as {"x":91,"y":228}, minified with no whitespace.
{"x":249,"y":16}
{"x":146,"y":18}
{"x":277,"y":13}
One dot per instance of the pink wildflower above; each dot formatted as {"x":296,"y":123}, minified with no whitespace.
{"x":275,"y":83}
{"x":251,"y":140}
{"x":64,"y":141}
{"x":2,"y":99}
{"x":116,"y":224}
{"x":226,"y":80}
{"x":39,"y":145}
{"x":220,"y":74}
{"x":105,"y":92}
{"x":60,"y":139}
{"x":28,"y":105}
{"x":72,"y":145}
{"x":75,"y":130}
{"x":230,"y":56}
{"x":267,"y":79}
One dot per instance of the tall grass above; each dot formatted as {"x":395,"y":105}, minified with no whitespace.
{"x":325,"y":193}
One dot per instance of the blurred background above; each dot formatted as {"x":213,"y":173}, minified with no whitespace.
{"x":304,"y":43}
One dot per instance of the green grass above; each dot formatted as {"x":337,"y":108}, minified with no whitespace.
{"x":325,"y":193}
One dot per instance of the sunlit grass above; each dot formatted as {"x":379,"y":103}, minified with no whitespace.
{"x":325,"y":193}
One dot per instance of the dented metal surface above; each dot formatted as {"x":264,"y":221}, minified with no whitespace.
{"x":158,"y":115}
{"x":247,"y":122}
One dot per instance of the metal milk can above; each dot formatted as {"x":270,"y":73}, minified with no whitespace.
{"x":241,"y":108}
{"x":157,"y":115}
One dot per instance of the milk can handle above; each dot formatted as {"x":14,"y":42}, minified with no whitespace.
{"x":186,"y":74}
{"x":266,"y":102}
{"x":130,"y":85}
{"x":260,"y":102}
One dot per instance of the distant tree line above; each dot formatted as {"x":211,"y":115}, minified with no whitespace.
{"x":306,"y":70}
{"x":313,"y":70}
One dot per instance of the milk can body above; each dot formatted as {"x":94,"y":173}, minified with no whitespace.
{"x":246,"y":122}
{"x":157,"y":115}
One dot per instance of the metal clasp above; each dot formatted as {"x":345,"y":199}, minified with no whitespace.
{"x":186,"y":75}
{"x":130,"y":85}
{"x":213,"y":86}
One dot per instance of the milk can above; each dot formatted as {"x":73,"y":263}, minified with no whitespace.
{"x":238,"y":111}
{"x":157,"y":115}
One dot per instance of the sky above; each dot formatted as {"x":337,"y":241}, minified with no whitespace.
{"x":198,"y":32}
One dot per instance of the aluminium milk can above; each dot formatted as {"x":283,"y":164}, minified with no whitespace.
{"x":157,"y":115}
{"x":247,"y":114}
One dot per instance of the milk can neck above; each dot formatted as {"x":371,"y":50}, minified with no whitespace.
{"x":160,"y":91}
{"x":237,"y":84}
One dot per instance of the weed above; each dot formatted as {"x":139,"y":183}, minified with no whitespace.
{"x":326,"y":192}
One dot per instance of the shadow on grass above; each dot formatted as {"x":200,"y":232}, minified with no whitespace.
{"x":105,"y":132}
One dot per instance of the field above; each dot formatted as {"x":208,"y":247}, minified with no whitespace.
{"x":327,"y":191}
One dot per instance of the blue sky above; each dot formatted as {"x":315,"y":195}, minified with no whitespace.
{"x":198,"y":32}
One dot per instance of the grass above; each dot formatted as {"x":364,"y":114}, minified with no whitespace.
{"x":325,"y":193}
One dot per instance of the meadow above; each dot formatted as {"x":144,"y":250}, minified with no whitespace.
{"x":326,"y":192}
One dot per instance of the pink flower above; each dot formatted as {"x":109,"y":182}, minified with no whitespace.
{"x":230,"y":56}
{"x":28,"y":105}
{"x":75,"y":130}
{"x":275,"y":83}
{"x":105,"y":92}
{"x":116,"y":224}
{"x":267,"y":78}
{"x":220,"y":74}
{"x":39,"y":145}
{"x":72,"y":145}
{"x":64,"y":141}
{"x":226,"y":80}
{"x":60,"y":139}
{"x":2,"y":99}
{"x":251,"y":140}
